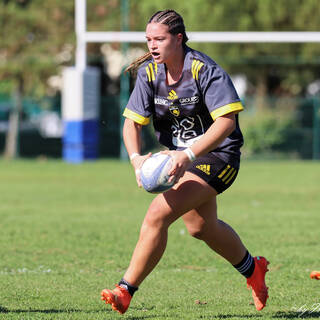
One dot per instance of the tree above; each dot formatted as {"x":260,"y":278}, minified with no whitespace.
{"x":295,"y":64}
{"x":36,"y":39}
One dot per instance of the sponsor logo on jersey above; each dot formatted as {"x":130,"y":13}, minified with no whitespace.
{"x":204,"y":168}
{"x":172,"y":95}
{"x":182,"y":101}
{"x":174,"y":110}
{"x":189,"y":100}
{"x":161,"y":101}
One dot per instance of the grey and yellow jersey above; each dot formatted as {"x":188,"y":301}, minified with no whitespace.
{"x":183,"y":112}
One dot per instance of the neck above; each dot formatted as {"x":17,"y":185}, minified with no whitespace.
{"x":175,"y":67}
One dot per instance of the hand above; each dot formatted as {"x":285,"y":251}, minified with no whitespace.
{"x":179,"y":164}
{"x":137,"y":163}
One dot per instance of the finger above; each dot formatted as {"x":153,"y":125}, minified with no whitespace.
{"x":172,"y":178}
{"x":137,"y":171}
{"x":179,"y":174}
{"x":174,"y":168}
{"x":148,"y":155}
{"x":172,"y":171}
{"x":175,"y":175}
{"x":144,"y":158}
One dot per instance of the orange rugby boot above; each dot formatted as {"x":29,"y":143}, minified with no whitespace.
{"x":315,"y":275}
{"x":119,"y":298}
{"x":257,"y":283}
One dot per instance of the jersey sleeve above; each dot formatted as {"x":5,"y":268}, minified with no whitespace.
{"x":219,"y":93}
{"x":140,"y":102}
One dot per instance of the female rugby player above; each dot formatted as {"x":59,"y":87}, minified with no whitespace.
{"x":194,"y":108}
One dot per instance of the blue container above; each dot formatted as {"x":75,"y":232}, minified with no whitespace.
{"x":81,"y":140}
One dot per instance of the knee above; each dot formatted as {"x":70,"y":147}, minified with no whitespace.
{"x":203,"y":231}
{"x":197,"y":232}
{"x":155,"y":218}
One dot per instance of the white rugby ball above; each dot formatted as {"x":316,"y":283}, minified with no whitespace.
{"x":154,"y":173}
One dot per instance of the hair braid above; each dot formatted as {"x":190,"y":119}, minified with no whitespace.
{"x":136,"y":63}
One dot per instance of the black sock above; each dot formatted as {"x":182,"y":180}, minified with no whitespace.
{"x":124,"y":284}
{"x":246,"y":266}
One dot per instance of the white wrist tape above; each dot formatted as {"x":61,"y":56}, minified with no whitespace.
{"x":132,"y":156}
{"x":190,"y":154}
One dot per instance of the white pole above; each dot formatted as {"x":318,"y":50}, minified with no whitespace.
{"x":81,"y":25}
{"x":235,"y":37}
{"x":257,"y":37}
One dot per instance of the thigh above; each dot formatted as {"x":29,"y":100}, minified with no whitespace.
{"x":190,"y":192}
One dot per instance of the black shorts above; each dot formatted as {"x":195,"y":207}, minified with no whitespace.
{"x":216,"y":172}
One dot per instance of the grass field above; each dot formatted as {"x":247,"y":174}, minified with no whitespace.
{"x":68,"y":231}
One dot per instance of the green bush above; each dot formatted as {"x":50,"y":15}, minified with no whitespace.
{"x":265,"y":131}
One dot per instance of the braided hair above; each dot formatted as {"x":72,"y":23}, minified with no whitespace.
{"x":175,"y":24}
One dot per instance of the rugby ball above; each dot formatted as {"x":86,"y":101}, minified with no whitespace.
{"x":154,"y":173}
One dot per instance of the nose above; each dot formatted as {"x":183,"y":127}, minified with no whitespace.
{"x":153,"y":44}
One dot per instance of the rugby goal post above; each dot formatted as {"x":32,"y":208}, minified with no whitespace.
{"x":83,"y":37}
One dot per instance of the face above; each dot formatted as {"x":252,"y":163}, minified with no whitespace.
{"x":161,"y":43}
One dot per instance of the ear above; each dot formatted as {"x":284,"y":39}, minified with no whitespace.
{"x":179,"y":38}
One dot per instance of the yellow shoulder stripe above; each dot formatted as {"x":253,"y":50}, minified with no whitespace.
{"x":135,"y":117}
{"x":235,"y":107}
{"x":195,"y":68}
{"x":150,"y":72}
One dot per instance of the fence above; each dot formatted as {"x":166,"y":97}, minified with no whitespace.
{"x":273,"y":127}
{"x":286,"y":127}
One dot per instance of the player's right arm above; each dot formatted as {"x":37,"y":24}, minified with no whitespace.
{"x":137,"y":113}
{"x":132,"y":141}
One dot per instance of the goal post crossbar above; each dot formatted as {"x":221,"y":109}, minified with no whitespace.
{"x":84,"y":36}
{"x":223,"y":36}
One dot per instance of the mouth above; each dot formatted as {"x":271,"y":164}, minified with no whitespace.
{"x":155,"y":55}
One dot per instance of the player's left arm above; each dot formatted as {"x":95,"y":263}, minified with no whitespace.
{"x":223,"y":103}
{"x":214,"y":136}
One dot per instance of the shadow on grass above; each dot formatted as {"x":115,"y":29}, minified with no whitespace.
{"x":142,"y":317}
{"x":237,"y":316}
{"x":296,"y":315}
{"x":5,"y":310}
{"x":277,"y":315}
{"x":53,"y":311}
